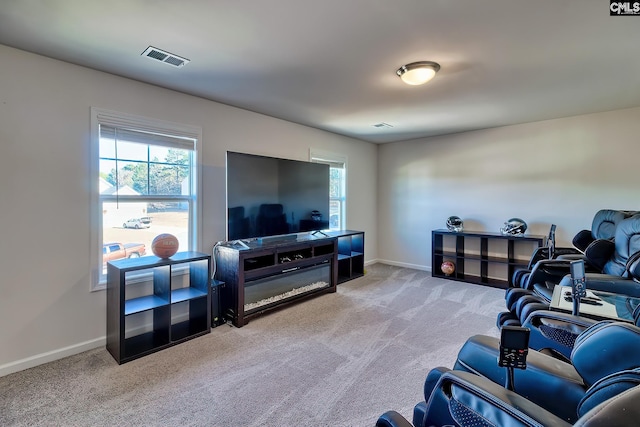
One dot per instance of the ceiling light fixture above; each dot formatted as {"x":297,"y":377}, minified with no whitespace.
{"x":418,"y":73}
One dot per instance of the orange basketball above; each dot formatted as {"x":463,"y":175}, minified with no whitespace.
{"x":448,"y":268}
{"x":165,"y":245}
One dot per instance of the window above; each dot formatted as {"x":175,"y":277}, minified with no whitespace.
{"x":146,"y":180}
{"x":337,"y":185}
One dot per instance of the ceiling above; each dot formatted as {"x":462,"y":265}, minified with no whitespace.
{"x":331,"y":64}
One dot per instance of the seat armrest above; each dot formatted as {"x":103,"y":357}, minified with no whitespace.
{"x":555,"y":331}
{"x":571,"y":256}
{"x":464,"y":396}
{"x":574,"y":323}
{"x":392,"y":419}
{"x":583,"y":239}
{"x":550,"y":270}
{"x":567,"y":252}
{"x":599,"y":252}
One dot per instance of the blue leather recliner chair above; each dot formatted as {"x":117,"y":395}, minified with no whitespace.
{"x":599,"y":387}
{"x":461,"y":399}
{"x":599,"y":354}
{"x":603,"y":227}
{"x":612,"y":258}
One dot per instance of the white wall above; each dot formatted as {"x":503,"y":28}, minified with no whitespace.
{"x":46,"y":308}
{"x":557,"y":171}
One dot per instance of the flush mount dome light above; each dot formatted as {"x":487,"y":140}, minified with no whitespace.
{"x":418,"y":73}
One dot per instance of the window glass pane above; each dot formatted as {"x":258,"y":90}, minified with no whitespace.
{"x":157,"y":153}
{"x":107,"y":181}
{"x":335,"y":211}
{"x":337,"y":187}
{"x":131,"y":179}
{"x":132,"y":151}
{"x":107,"y":148}
{"x":336,"y":182}
{"x":168,"y":155}
{"x":147,"y":186}
{"x":133,"y":224}
{"x":337,"y":197}
{"x":169,"y":180}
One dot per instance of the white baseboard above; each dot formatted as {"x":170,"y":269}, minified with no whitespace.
{"x":405,"y":264}
{"x":50,"y":356}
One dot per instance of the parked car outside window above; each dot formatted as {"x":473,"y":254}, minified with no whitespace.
{"x":137,"y":223}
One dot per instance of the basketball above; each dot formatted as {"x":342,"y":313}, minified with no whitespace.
{"x":448,"y":268}
{"x":165,"y":245}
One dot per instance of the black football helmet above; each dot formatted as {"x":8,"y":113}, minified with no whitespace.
{"x":514,"y":227}
{"x":454,"y":223}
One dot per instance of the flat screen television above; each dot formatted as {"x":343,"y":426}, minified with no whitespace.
{"x":269,"y":196}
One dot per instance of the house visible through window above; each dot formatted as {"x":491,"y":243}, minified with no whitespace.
{"x":147,"y":185}
{"x":337,"y":186}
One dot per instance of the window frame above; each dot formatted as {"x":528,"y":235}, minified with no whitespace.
{"x":100,"y":116}
{"x":334,"y":160}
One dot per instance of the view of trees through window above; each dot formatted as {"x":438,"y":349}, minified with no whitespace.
{"x":155,"y":176}
{"x":145,"y":190}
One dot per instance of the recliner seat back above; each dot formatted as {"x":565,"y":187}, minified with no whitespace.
{"x":606,"y":348}
{"x":603,"y":226}
{"x":608,"y":387}
{"x":627,"y":243}
{"x":605,"y":222}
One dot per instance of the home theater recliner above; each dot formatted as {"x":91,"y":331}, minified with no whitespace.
{"x":553,"y":263}
{"x":626,"y":284}
{"x":604,"y":370}
{"x":603,"y":227}
{"x":607,"y":260}
{"x":463,"y":399}
{"x":579,"y":370}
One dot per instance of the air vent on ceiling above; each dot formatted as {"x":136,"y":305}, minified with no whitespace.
{"x":382,"y":125}
{"x":166,"y":57}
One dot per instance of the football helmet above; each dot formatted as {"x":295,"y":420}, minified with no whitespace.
{"x":454,"y":223}
{"x":514,"y":227}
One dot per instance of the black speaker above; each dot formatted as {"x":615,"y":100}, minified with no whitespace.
{"x":216,"y":309}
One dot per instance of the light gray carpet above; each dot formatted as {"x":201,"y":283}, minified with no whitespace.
{"x":336,"y":360}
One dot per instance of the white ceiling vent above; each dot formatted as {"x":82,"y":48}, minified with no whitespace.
{"x":166,"y":57}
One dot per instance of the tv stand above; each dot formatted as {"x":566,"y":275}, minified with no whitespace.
{"x":270,"y":275}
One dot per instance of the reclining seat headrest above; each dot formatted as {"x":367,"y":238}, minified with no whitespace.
{"x":604,"y":349}
{"x":603,"y":227}
{"x":627,"y":243}
{"x":605,"y":222}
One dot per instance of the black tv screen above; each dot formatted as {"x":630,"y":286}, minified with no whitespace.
{"x":268,"y":196}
